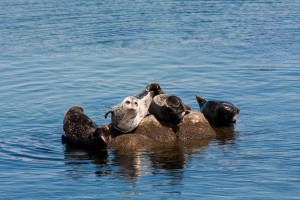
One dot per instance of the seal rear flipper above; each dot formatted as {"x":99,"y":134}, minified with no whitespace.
{"x":155,"y":87}
{"x":102,"y":135}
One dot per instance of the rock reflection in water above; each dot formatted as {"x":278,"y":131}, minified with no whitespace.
{"x":131,"y":164}
{"x":226,"y":135}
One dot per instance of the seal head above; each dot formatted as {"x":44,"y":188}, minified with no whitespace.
{"x":218,"y":113}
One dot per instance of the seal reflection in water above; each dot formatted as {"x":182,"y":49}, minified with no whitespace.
{"x":219,"y":114}
{"x":127,"y":115}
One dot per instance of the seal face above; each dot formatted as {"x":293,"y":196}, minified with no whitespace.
{"x":218,"y":113}
{"x":127,"y":115}
{"x":168,"y":108}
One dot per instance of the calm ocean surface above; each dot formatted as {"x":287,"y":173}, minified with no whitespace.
{"x":92,"y":53}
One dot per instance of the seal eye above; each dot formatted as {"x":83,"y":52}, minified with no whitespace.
{"x":127,"y":102}
{"x":136,"y":103}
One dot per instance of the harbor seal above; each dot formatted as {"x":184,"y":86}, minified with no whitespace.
{"x":81,"y":131}
{"x":218,"y":113}
{"x":127,"y":115}
{"x":168,"y":108}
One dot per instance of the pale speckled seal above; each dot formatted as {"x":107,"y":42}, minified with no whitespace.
{"x":168,"y":108}
{"x":218,"y":113}
{"x":127,"y":115}
{"x":81,"y":131}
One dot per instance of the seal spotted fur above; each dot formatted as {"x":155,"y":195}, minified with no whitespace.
{"x":80,"y":130}
{"x":219,"y":114}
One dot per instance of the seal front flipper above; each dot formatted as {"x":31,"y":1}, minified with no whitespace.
{"x":107,"y":113}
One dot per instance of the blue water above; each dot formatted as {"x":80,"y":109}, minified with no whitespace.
{"x":59,"y":53}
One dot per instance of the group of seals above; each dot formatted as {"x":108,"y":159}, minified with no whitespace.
{"x":127,"y":115}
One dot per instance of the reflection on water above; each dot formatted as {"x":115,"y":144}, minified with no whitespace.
{"x":131,"y":164}
{"x":226,"y":135}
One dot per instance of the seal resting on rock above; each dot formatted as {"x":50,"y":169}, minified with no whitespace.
{"x":219,"y":114}
{"x":168,"y":108}
{"x":81,"y":131}
{"x":127,"y":115}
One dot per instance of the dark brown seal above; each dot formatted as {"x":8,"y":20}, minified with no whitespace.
{"x":155,"y":87}
{"x":81,"y":131}
{"x":218,"y":113}
{"x":168,"y":108}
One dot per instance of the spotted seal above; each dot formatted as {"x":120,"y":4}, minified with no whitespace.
{"x":80,"y":130}
{"x":168,"y":108}
{"x":218,"y":113}
{"x":127,"y":115}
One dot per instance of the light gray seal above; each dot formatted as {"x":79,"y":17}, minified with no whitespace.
{"x":168,"y":108}
{"x":127,"y":115}
{"x":218,"y":113}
